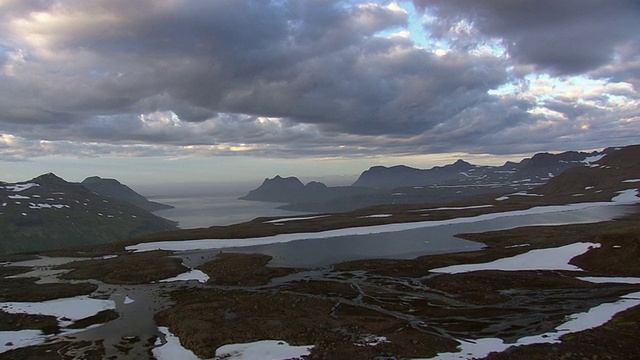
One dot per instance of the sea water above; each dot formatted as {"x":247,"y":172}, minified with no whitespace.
{"x":198,"y":210}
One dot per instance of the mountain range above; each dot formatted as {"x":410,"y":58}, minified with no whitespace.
{"x":403,"y":184}
{"x":48,"y":212}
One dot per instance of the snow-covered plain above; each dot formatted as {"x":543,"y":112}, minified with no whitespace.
{"x":539,"y":259}
{"x":627,"y":196}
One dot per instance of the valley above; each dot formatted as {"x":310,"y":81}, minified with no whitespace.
{"x":542,"y":271}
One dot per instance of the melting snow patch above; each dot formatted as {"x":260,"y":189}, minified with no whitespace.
{"x":18,"y":197}
{"x":295,"y":219}
{"x":370,"y":340}
{"x":516,"y":246}
{"x":189,"y":275}
{"x":375,"y":216}
{"x":17,"y":339}
{"x":592,"y":159}
{"x":611,"y":280}
{"x":540,"y":259}
{"x":631,"y":181}
{"x":171,"y":348}
{"x":266,"y":349}
{"x":75,"y":308}
{"x":47,"y":206}
{"x":596,"y":316}
{"x":20,"y":187}
{"x":455,"y":208}
{"x":626,"y":196}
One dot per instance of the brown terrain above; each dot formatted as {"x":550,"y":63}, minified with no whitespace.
{"x":343,"y":308}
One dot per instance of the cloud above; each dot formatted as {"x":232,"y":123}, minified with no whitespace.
{"x":561,"y":37}
{"x":316,"y":78}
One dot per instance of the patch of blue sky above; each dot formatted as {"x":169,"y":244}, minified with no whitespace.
{"x":415,"y":29}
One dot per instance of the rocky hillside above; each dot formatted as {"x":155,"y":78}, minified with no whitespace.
{"x":114,"y":189}
{"x":48,"y":212}
{"x":618,"y":170}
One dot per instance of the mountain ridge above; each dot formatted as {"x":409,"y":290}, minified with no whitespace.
{"x":404,"y":184}
{"x":115,"y":189}
{"x":47,"y":212}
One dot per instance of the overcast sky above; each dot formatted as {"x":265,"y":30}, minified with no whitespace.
{"x":227,"y":90}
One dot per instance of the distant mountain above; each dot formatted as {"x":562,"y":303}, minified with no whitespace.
{"x":292,"y":190}
{"x":406,"y":185}
{"x":114,"y":189}
{"x":48,"y":212}
{"x":537,"y":169}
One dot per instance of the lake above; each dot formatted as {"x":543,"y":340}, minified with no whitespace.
{"x":395,"y":241}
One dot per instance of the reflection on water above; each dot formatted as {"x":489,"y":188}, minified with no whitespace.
{"x":406,"y":244}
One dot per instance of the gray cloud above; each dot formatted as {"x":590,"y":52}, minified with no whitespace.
{"x":565,"y":37}
{"x":317,"y":78}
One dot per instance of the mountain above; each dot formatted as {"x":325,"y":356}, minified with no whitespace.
{"x":618,"y":170}
{"x":114,"y":189}
{"x":48,"y":212}
{"x":537,"y":169}
{"x":406,"y":185}
{"x":291,"y":190}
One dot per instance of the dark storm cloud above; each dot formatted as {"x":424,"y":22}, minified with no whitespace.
{"x":565,"y":37}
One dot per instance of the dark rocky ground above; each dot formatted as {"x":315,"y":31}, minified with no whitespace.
{"x":340,"y":308}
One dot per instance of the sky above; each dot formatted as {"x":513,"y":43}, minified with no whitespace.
{"x":186,"y":91}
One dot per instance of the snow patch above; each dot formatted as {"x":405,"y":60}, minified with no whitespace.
{"x":596,"y":316}
{"x":69,"y":309}
{"x":375,"y":216}
{"x":454,"y":208}
{"x":47,"y":206}
{"x":20,"y":187}
{"x":16,"y":339}
{"x":610,"y":280}
{"x":189,"y":275}
{"x":631,"y":181}
{"x":295,"y":219}
{"x":260,"y":350}
{"x":18,"y":197}
{"x":540,"y":259}
{"x":591,"y":159}
{"x":171,"y":348}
